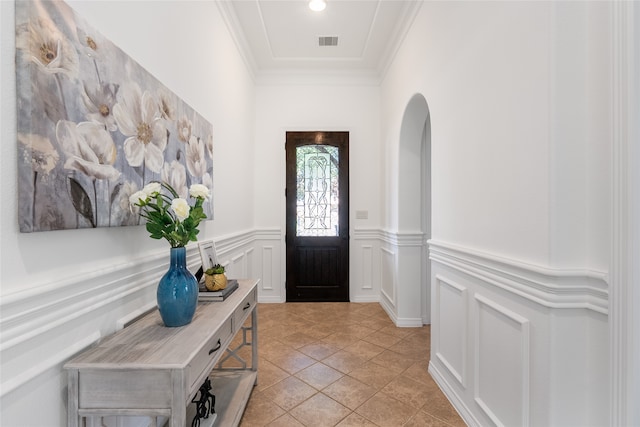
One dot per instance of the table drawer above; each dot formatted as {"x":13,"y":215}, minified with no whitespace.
{"x":209,"y":355}
{"x":244,"y":310}
{"x":102,"y":389}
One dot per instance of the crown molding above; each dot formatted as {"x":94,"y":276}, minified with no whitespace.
{"x":233,"y":26}
{"x":314,"y":71}
{"x":400,"y":32}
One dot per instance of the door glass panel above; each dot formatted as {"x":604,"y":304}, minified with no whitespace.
{"x":317,"y":190}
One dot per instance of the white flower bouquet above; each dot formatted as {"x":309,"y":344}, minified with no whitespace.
{"x":168,"y":215}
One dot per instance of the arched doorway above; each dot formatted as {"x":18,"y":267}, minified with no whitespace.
{"x":414,"y":211}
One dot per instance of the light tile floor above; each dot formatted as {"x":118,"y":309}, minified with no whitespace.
{"x":343,"y":364}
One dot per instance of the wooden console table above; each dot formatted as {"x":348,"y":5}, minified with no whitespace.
{"x":149,"y":369}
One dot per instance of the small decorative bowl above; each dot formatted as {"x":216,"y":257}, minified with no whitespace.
{"x":215,"y":282}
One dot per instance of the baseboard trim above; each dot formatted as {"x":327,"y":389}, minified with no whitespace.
{"x":270,"y":300}
{"x":365,"y":299}
{"x":448,"y":391}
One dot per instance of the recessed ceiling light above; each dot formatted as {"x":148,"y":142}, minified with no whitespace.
{"x":317,"y":5}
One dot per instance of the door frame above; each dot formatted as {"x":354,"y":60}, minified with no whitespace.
{"x":347,"y":215}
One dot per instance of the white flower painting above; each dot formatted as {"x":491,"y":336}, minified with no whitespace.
{"x":94,"y":127}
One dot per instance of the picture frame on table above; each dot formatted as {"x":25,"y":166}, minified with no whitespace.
{"x":208,"y":254}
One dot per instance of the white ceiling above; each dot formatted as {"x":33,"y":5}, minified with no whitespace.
{"x":280,"y":37}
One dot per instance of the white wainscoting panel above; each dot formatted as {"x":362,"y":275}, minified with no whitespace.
{"x":267,"y":267}
{"x":367,"y":267}
{"x":270,"y":261}
{"x":232,"y":253}
{"x":365,"y":271}
{"x":387,"y":276}
{"x":450,"y":331}
{"x":501,"y":364}
{"x":409,"y":274}
{"x":237,"y":268}
{"x":532,"y":330}
{"x":248,"y":266}
{"x":401,"y":278}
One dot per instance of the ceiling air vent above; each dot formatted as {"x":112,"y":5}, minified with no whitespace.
{"x":328,"y":41}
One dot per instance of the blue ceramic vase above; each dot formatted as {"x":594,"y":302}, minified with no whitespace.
{"x":177,"y":291}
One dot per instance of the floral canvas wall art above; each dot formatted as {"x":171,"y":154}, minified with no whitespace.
{"x":94,"y":126}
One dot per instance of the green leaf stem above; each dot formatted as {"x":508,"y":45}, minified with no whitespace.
{"x":162,"y":223}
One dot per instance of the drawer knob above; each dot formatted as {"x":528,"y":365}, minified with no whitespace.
{"x":246,"y":306}
{"x":217,"y":347}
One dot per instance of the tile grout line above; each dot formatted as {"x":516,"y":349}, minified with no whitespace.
{"x":285,"y":320}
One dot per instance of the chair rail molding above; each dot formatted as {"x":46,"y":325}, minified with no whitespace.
{"x":552,"y":288}
{"x":229,"y":243}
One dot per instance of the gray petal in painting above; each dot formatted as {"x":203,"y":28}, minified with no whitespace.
{"x":89,"y":149}
{"x":99,"y":101}
{"x":48,"y":47}
{"x":175,"y":174}
{"x":196,"y":161}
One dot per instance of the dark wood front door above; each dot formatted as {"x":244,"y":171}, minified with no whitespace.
{"x":317,"y":197}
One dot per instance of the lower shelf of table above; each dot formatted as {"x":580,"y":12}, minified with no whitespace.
{"x":232,"y":389}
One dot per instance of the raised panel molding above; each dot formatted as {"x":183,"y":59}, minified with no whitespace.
{"x":367,"y":267}
{"x":267,"y":268}
{"x":388,"y":285}
{"x":269,"y":245}
{"x":365,"y":275}
{"x":237,"y":266}
{"x":446,"y":331}
{"x":248,"y":268}
{"x":552,"y":288}
{"x":500,"y":328}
